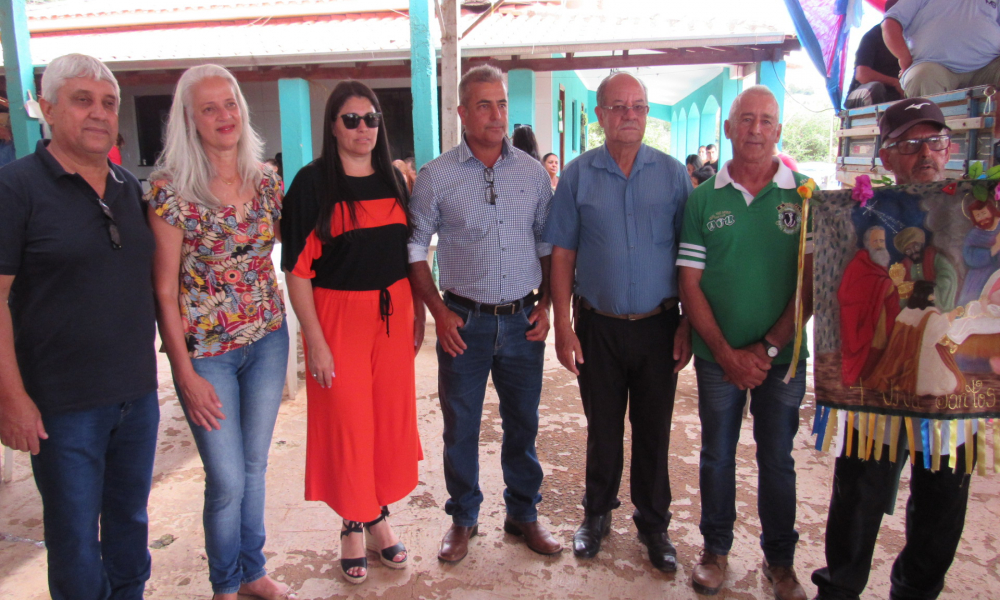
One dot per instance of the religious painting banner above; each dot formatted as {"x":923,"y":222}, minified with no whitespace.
{"x":907,"y":317}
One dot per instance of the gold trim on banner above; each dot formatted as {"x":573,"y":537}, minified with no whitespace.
{"x":935,"y":446}
{"x":879,"y":436}
{"x":894,"y":438}
{"x":862,"y":434}
{"x":981,"y":447}
{"x":871,"y":435}
{"x":953,"y":444}
{"x":909,"y":438}
{"x":850,"y":435}
{"x":799,"y":309}
{"x":996,"y":445}
{"x":831,"y":429}
{"x":970,"y":447}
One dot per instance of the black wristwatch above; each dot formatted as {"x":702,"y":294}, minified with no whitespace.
{"x":772,"y":350}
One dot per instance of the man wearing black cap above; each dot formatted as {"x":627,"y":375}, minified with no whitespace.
{"x":915,"y":144}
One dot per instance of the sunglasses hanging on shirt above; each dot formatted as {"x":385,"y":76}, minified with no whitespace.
{"x":352,"y":120}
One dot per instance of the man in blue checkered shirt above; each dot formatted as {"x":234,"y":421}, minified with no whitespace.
{"x":488,"y":202}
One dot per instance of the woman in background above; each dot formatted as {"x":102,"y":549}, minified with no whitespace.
{"x":551,"y":163}
{"x":524,"y":139}
{"x":693,"y":163}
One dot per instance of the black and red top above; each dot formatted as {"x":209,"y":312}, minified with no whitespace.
{"x":370,"y":255}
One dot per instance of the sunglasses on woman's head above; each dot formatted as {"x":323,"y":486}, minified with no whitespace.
{"x":352,"y":120}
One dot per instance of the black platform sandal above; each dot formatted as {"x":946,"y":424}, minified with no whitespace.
{"x":346,"y":564}
{"x":385,"y":555}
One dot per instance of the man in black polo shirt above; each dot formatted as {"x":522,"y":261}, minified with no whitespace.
{"x":876,"y":71}
{"x":77,"y":357}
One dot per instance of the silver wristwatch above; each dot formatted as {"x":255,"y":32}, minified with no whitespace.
{"x":772,"y":350}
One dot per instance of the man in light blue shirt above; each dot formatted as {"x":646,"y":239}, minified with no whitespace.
{"x":615,"y":224}
{"x":944,"y":45}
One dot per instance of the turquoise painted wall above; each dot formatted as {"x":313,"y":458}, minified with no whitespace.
{"x":711,"y":102}
{"x":772,"y":74}
{"x":423,"y":83}
{"x":576,"y":93}
{"x":520,"y":98}
{"x":296,"y":126}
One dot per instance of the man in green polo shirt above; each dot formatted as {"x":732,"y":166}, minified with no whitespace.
{"x":738,"y":268}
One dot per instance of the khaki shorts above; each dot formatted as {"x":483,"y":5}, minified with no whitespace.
{"x":927,"y":78}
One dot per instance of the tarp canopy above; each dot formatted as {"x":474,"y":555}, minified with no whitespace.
{"x":823,"y":27}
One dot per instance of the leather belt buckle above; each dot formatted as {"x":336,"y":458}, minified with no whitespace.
{"x":503,"y":307}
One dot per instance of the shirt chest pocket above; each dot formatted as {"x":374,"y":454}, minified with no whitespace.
{"x":661,"y":224}
{"x":516,"y":208}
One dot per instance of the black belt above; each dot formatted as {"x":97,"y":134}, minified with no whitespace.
{"x":664,"y":306}
{"x":511,"y":308}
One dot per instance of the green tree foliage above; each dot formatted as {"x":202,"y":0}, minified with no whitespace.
{"x":807,"y":136}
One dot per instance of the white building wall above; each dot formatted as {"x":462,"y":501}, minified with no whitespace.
{"x":543,"y":112}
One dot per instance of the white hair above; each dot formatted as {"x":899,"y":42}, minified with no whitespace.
{"x":763,"y":90}
{"x":71,"y":66}
{"x":183,"y":161}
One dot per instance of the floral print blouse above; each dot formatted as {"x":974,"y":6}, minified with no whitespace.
{"x":229,"y":295}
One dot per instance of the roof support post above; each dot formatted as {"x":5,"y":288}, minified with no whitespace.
{"x":451,"y":74}
{"x":772,"y":74}
{"x":296,"y":126}
{"x":423,"y":82}
{"x":521,"y":98}
{"x":20,"y":74}
{"x":732,"y":85}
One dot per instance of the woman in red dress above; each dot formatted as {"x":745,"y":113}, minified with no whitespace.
{"x":345,"y":226}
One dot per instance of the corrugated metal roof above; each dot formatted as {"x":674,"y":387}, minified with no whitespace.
{"x":231,"y":34}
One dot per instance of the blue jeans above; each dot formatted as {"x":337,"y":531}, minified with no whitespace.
{"x":94,"y":474}
{"x":496,"y":344}
{"x":249,"y":382}
{"x":775,"y":409}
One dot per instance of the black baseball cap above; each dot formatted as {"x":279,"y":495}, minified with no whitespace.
{"x":903,"y":115}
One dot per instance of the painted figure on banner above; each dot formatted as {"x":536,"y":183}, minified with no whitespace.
{"x":923,"y":262}
{"x":981,"y":250}
{"x":918,"y":359}
{"x":869,"y":304}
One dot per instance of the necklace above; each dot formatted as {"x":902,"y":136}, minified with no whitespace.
{"x":223,"y":179}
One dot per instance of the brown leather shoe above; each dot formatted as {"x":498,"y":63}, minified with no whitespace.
{"x":455,"y":543}
{"x":784,"y":583}
{"x":537,"y":537}
{"x":710,"y":573}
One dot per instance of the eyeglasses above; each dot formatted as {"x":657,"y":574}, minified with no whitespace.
{"x":352,"y":120}
{"x":620,"y":110}
{"x":491,"y":195}
{"x":936,"y":143}
{"x":116,"y":238}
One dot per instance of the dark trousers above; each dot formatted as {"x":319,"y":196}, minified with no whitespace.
{"x":94,"y":474}
{"x":871,"y":93}
{"x":629,"y":364}
{"x":864,"y":490}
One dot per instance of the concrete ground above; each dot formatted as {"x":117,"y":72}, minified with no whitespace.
{"x":303,"y":546}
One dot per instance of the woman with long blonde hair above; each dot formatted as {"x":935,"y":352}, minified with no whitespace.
{"x":215,"y":211}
